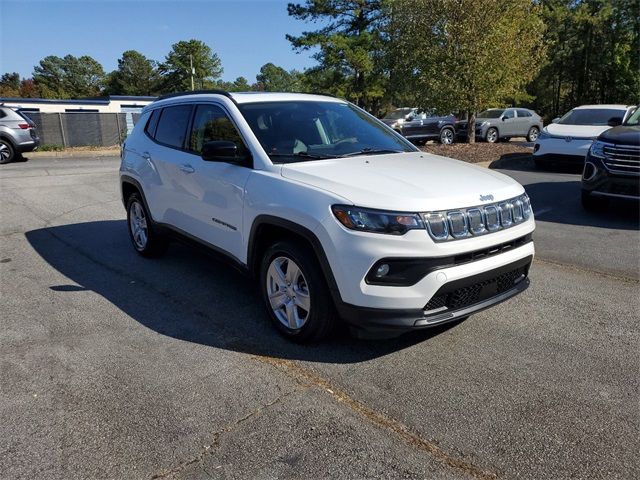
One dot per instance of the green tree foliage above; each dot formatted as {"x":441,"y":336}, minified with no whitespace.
{"x":349,"y":48}
{"x":240,"y":84}
{"x":176,"y":69}
{"x":69,"y":77}
{"x":136,"y":75}
{"x":594,"y":54}
{"x":465,"y":54}
{"x":273,"y":78}
{"x":10,"y":85}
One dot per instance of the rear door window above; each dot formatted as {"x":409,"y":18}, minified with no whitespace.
{"x":172,"y":126}
{"x":523,"y":113}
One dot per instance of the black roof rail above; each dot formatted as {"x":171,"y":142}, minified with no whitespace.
{"x":197,"y":92}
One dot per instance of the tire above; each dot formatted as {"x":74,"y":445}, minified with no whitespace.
{"x":534,"y":133}
{"x":447,"y":136}
{"x":492,"y":135}
{"x":305,"y":311}
{"x":7,"y":152}
{"x":591,"y":202}
{"x":145,"y":238}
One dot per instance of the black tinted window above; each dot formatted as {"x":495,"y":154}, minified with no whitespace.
{"x":172,"y":126}
{"x":210,"y":124}
{"x":509,"y":114}
{"x":590,"y":116}
{"x":523,"y":113}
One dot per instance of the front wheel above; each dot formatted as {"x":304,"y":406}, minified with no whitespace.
{"x":145,"y":239}
{"x":446,"y":136}
{"x":295,"y":292}
{"x":492,"y":135}
{"x":534,"y":133}
{"x":7,"y":152}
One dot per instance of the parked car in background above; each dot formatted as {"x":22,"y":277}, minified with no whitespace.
{"x":504,"y":123}
{"x":420,"y":126}
{"x":17,"y":134}
{"x":566,"y":140}
{"x":612,"y":165}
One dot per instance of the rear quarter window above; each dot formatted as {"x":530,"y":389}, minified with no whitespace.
{"x":152,"y":123}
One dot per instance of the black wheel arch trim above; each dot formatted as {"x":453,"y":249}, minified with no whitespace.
{"x":314,"y":241}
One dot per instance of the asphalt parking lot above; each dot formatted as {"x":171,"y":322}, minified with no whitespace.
{"x":113,"y":366}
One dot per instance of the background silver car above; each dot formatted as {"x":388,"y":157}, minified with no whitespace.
{"x":17,"y":134}
{"x":502,"y":123}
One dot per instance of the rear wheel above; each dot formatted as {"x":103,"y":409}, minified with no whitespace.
{"x":7,"y":152}
{"x":295,"y":292}
{"x":446,"y":136}
{"x":145,"y":238}
{"x":592,"y":202}
{"x":492,"y":135}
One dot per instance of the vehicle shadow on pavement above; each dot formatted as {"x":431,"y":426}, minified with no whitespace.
{"x":189,"y":295}
{"x":559,"y":202}
{"x":524,"y":162}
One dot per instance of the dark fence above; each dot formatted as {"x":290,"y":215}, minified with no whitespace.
{"x":82,"y":129}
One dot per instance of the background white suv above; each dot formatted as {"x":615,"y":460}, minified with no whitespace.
{"x":336,"y":214}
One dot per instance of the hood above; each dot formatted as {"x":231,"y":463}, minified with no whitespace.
{"x":389,"y":121}
{"x":622,"y":135}
{"x":413,"y":181}
{"x":577,"y":131}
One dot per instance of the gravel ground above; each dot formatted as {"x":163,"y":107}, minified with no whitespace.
{"x":478,"y":152}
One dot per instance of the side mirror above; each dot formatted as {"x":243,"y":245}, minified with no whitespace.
{"x":222,"y":151}
{"x":555,"y":120}
{"x":614,"y":121}
{"x":503,"y":118}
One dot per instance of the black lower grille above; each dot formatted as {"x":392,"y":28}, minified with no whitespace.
{"x":473,"y":293}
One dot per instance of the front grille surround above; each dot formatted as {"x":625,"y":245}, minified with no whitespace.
{"x":462,"y":223}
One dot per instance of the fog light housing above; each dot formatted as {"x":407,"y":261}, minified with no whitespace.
{"x":589,"y":171}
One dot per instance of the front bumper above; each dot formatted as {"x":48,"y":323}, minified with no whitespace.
{"x":598,"y":180}
{"x":565,"y":150}
{"x":453,"y":301}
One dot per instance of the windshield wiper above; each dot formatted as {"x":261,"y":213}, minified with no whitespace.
{"x":312,"y":156}
{"x":371,"y":151}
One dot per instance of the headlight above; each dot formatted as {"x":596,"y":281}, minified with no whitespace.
{"x":597,"y":149}
{"x":377,"y":221}
{"x":484,"y":124}
{"x":544,"y":134}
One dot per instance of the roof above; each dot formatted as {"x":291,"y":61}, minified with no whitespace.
{"x":241,"y":97}
{"x":598,"y":107}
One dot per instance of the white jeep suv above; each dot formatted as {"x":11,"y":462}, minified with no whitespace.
{"x":335,"y":214}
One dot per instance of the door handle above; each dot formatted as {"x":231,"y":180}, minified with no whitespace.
{"x":186,"y":168}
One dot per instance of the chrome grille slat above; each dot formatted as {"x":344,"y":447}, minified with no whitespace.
{"x":478,"y":220}
{"x":622,"y":159}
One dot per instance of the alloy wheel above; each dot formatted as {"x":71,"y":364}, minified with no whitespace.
{"x":492,"y":135}
{"x":446,"y":136}
{"x":288,"y":293}
{"x":5,"y":152}
{"x":138,"y":225}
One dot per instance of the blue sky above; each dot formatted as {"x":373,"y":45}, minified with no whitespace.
{"x":246,"y":34}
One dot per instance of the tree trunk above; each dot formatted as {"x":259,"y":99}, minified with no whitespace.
{"x":471,"y":127}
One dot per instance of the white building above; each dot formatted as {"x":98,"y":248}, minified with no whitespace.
{"x":110,"y":104}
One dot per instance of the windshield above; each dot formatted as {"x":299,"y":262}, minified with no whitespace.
{"x":297,"y":131}
{"x":590,"y":116}
{"x":398,"y":113}
{"x":634,"y":119}
{"x":491,"y":114}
